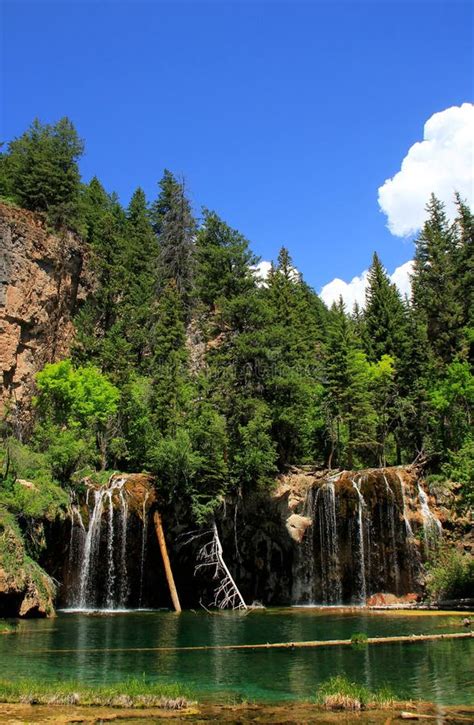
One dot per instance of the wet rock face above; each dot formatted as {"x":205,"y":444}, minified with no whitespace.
{"x":113,"y":561}
{"x":42,"y":281}
{"x":320,"y":538}
{"x":369,"y":532}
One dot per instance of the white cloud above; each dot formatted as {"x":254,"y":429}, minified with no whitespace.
{"x":261,"y":270}
{"x":354,"y":291}
{"x":441,"y":164}
{"x":351,"y":292}
{"x":401,"y":277}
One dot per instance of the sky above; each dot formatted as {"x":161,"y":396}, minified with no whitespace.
{"x":321,"y":126}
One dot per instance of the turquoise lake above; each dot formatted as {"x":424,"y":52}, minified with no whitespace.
{"x":100,"y":648}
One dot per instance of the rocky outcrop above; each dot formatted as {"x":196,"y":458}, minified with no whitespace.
{"x":357,"y":533}
{"x":42,"y":280}
{"x":25,"y":589}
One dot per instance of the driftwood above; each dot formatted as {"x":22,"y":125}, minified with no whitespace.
{"x":166,"y":561}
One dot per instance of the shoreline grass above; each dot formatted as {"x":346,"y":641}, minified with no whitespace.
{"x":129,"y":693}
{"x":339,"y":693}
{"x":8,"y":627}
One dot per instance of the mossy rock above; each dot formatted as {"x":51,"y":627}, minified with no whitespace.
{"x":25,"y":589}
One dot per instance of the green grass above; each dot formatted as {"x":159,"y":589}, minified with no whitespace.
{"x":131,"y":693}
{"x":8,"y":627}
{"x":339,"y":693}
{"x":359,"y":639}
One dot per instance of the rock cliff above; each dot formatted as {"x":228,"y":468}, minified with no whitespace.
{"x":42,"y":280}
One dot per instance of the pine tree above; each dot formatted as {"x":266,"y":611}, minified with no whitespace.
{"x":435,"y":287}
{"x":167,"y":365}
{"x":348,"y":397}
{"x":40,"y":171}
{"x":99,"y":333}
{"x":140,"y":283}
{"x":295,"y":336}
{"x":175,"y":228}
{"x":464,"y":261}
{"x":223,"y":262}
{"x":384,"y":316}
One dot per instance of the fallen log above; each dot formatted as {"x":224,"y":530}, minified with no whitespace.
{"x":311,"y":644}
{"x":166,"y":561}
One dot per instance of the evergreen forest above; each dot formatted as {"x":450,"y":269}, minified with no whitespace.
{"x":188,"y":365}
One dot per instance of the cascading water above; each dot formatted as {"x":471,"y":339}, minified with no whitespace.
{"x":330,"y":573}
{"x":143,"y":549}
{"x":361,"y":580}
{"x":123,"y":550}
{"x":391,"y":509}
{"x":364,"y":538}
{"x":107,"y":497}
{"x":110,"y":553}
{"x":431,"y":525}
{"x":91,"y":548}
{"x":406,"y":521}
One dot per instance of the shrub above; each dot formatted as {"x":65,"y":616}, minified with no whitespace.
{"x":451,"y":576}
{"x":359,"y":638}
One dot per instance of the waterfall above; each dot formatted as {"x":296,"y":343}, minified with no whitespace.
{"x":143,"y":551}
{"x":362,"y":588}
{"x":89,"y":565}
{"x":431,"y":525}
{"x":408,"y":528}
{"x":391,"y":527}
{"x":91,"y":548}
{"x":123,"y":550}
{"x":110,"y":553}
{"x":361,"y":541}
{"x":331,"y":588}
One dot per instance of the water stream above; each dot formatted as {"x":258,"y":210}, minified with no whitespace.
{"x":360,"y":578}
{"x":101,"y":548}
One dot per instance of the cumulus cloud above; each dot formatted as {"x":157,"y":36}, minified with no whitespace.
{"x":354,"y":291}
{"x":441,"y":164}
{"x":261,"y":270}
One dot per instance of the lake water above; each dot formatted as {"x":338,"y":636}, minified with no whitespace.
{"x":99,"y":648}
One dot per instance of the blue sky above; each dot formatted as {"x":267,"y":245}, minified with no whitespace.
{"x":284,"y":117}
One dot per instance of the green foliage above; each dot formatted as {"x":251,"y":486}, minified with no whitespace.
{"x":359,"y":638}
{"x":451,"y":576}
{"x":186,"y":363}
{"x":460,"y":467}
{"x":76,"y":409}
{"x":436,"y":283}
{"x":8,"y":627}
{"x":40,"y":171}
{"x":175,"y":229}
{"x":348,"y":400}
{"x":384,"y":315}
{"x":19,"y":567}
{"x":81,"y":395}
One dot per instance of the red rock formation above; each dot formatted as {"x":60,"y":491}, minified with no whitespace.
{"x":42,"y":280}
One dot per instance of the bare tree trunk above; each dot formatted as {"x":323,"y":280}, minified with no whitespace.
{"x":166,"y":562}
{"x":227,"y":593}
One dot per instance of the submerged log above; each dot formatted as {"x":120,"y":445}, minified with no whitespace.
{"x":311,"y":644}
{"x":166,"y":561}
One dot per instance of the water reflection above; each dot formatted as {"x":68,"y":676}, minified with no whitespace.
{"x":98,"y":648}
